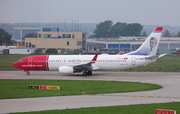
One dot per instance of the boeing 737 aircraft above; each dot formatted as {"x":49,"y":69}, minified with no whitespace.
{"x":87,"y":63}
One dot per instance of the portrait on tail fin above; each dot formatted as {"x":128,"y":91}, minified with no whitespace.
{"x":153,"y":44}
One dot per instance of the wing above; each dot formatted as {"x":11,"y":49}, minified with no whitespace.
{"x":87,"y":66}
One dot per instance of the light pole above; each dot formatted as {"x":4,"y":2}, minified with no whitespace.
{"x":2,"y":39}
{"x":119,"y":43}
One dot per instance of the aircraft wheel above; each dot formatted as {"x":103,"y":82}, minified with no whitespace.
{"x":84,"y":74}
{"x":89,"y":72}
{"x":27,"y":73}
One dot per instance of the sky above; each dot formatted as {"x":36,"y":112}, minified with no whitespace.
{"x":145,"y":12}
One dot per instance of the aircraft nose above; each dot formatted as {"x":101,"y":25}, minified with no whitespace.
{"x":15,"y":65}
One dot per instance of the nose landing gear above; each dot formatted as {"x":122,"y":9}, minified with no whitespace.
{"x":27,"y":73}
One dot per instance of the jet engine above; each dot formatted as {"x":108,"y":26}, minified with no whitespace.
{"x":66,"y":69}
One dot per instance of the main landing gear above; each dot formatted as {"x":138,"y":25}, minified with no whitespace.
{"x":85,"y":73}
{"x":27,"y":73}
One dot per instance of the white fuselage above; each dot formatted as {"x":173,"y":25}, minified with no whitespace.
{"x":103,"y":62}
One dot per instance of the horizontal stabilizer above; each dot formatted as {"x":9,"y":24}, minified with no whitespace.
{"x":152,"y":57}
{"x":155,"y":57}
{"x":162,"y":55}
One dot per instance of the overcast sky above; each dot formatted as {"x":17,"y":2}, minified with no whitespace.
{"x":145,"y":12}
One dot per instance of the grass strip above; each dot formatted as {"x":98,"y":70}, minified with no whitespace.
{"x":130,"y":109}
{"x":19,"y":88}
{"x":164,"y":64}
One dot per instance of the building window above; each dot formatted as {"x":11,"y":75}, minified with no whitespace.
{"x":46,"y":29}
{"x":41,"y":48}
{"x":66,"y":35}
{"x":73,"y":36}
{"x":47,"y":35}
{"x":67,"y":43}
{"x":52,"y":29}
{"x":79,"y":42}
{"x":39,"y":35}
{"x":26,"y":45}
{"x":29,"y":44}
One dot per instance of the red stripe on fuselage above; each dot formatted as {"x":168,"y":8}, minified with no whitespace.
{"x":32,"y":63}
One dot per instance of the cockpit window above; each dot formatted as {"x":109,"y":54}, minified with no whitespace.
{"x":20,"y":60}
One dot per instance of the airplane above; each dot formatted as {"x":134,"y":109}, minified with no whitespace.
{"x":70,"y":64}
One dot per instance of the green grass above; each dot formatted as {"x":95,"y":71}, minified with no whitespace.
{"x":19,"y":88}
{"x":6,"y":61}
{"x":131,"y":109}
{"x":164,"y":64}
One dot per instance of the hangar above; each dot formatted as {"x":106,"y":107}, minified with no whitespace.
{"x":126,"y":44}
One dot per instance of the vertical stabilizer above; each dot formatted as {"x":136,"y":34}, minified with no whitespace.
{"x":150,"y":45}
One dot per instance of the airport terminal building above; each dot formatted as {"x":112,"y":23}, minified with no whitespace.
{"x":65,"y":41}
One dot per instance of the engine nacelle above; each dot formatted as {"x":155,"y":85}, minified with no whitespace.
{"x":66,"y":69}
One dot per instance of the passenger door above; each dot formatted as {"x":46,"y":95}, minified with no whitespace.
{"x":133,"y":61}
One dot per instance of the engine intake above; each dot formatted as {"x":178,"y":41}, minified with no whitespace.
{"x":66,"y":69}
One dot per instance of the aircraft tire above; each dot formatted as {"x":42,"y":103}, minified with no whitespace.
{"x":89,"y":72}
{"x":27,"y":73}
{"x":84,"y":73}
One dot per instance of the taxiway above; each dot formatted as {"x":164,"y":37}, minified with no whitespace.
{"x":169,"y":93}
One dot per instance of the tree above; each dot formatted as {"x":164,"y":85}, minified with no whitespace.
{"x":133,"y":29}
{"x":118,"y":29}
{"x":103,"y":29}
{"x":178,"y":34}
{"x":13,"y":42}
{"x":51,"y":50}
{"x":166,"y":33}
{"x":5,"y":38}
{"x":144,"y":34}
{"x":31,"y":35}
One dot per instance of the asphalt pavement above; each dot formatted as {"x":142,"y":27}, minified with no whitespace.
{"x":169,"y":93}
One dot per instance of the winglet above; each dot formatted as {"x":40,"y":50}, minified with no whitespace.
{"x":120,"y":52}
{"x":95,"y":57}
